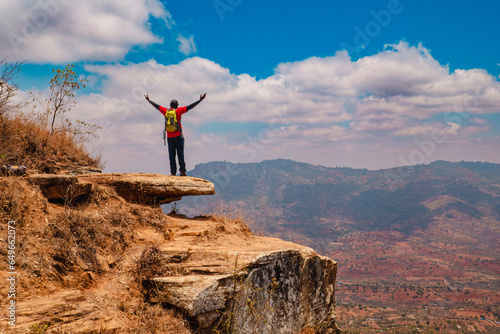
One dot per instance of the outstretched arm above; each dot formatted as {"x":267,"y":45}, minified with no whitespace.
{"x":192,"y":105}
{"x":157,"y":106}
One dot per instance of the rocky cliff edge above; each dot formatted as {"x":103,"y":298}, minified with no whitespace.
{"x":97,"y":254}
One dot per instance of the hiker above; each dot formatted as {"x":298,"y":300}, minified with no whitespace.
{"x":173,"y":127}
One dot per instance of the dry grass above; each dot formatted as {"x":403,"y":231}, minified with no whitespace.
{"x":77,"y":240}
{"x":19,"y":201}
{"x":155,"y":319}
{"x":62,"y":244}
{"x":24,"y":142}
{"x":152,"y":263}
{"x":227,"y":220}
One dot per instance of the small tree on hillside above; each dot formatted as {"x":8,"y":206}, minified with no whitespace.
{"x":7,"y":86}
{"x":63,"y":88}
{"x":62,"y":91}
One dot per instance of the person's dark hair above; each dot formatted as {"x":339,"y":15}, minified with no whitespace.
{"x":174,"y":104}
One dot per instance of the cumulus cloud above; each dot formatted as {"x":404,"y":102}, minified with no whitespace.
{"x":61,"y":31}
{"x":320,"y":109}
{"x":186,"y":45}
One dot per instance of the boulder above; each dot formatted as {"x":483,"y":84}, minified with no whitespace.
{"x":151,"y":189}
{"x":250,"y":284}
{"x":279,"y":293}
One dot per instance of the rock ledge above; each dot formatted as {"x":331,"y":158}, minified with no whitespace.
{"x":141,"y":188}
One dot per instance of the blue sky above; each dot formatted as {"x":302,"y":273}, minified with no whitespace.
{"x":370,"y":84}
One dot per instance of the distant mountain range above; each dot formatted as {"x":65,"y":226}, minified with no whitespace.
{"x":279,"y":197}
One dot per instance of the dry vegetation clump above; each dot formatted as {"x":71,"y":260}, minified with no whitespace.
{"x":22,"y":203}
{"x":231,"y":225}
{"x":24,"y":142}
{"x":62,"y":246}
{"x":150,"y":216}
{"x":222,"y":225}
{"x":79,"y":239}
{"x":152,"y":263}
{"x":155,"y":319}
{"x":19,"y":201}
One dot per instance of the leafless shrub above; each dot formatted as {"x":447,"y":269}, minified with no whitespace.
{"x":7,"y":86}
{"x":152,"y":263}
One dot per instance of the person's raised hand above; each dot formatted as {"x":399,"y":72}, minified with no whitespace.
{"x":147,"y":97}
{"x":202,"y":96}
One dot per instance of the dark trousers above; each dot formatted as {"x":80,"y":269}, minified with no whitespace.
{"x":176,"y":146}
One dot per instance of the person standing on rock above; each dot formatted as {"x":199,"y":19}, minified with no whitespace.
{"x":173,"y":126}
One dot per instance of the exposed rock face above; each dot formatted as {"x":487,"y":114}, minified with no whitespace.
{"x":64,"y":305}
{"x":60,"y":186}
{"x":248,"y":285}
{"x":152,"y":189}
{"x":149,"y":189}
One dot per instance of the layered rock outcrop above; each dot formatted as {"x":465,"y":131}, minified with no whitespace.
{"x":60,"y":186}
{"x":236,"y":282}
{"x":141,"y":188}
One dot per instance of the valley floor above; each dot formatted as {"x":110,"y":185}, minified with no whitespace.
{"x":391,"y":283}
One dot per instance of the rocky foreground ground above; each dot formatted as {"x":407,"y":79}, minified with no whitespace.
{"x":95,"y":253}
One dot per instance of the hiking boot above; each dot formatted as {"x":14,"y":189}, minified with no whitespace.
{"x":173,"y":174}
{"x":183,"y":174}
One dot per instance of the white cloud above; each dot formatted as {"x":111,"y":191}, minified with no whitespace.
{"x":186,"y":45}
{"x":453,"y":128}
{"x":61,"y":31}
{"x":322,"y":110}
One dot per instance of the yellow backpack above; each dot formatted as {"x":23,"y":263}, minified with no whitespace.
{"x":171,"y":124}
